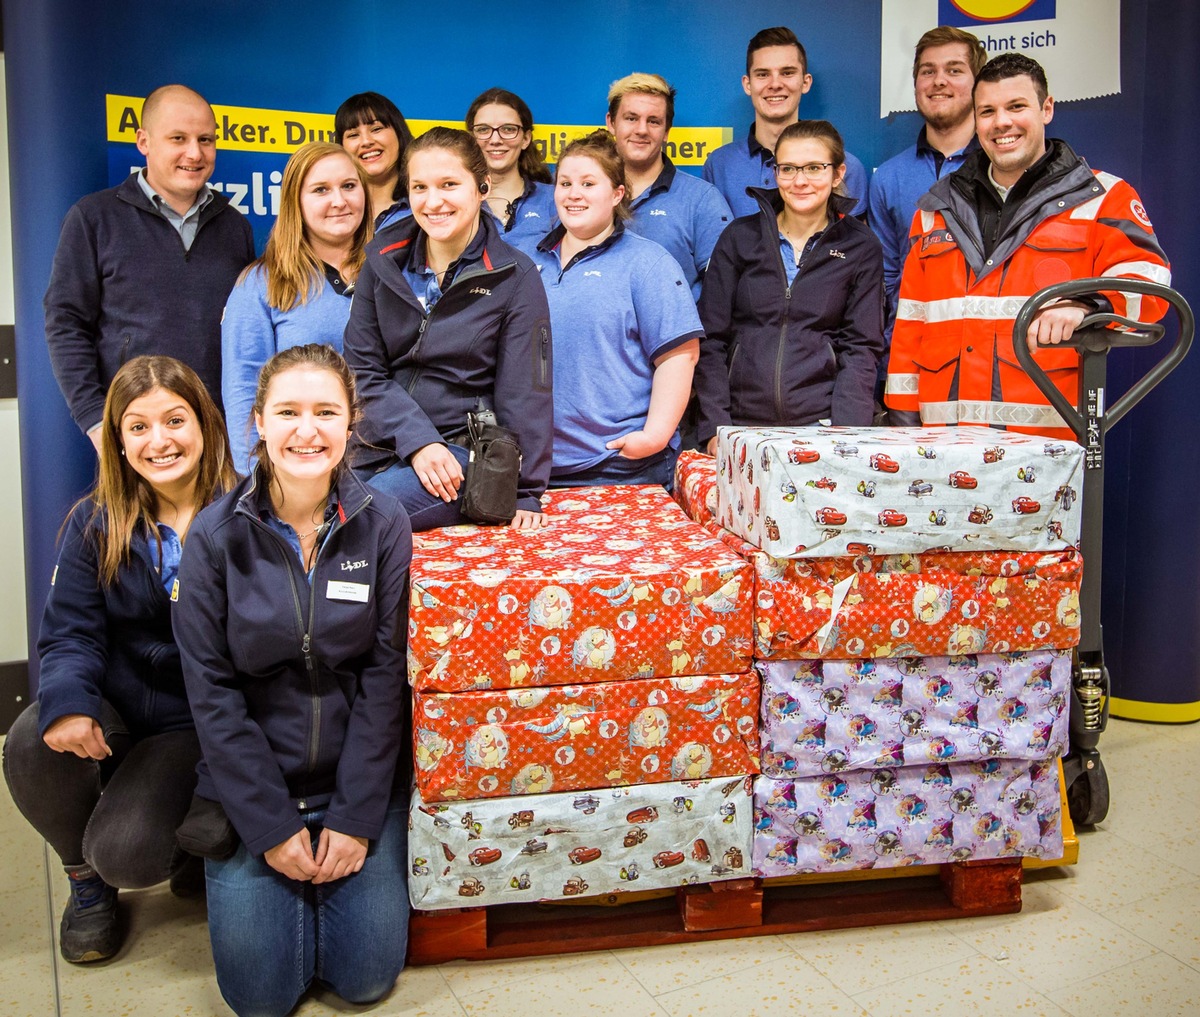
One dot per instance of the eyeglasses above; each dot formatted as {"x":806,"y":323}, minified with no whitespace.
{"x":812,"y":170}
{"x":508,"y":132}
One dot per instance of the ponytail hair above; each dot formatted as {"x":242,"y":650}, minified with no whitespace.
{"x":602,"y":147}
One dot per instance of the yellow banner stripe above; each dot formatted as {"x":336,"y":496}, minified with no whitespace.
{"x":250,"y":129}
{"x":1158,"y":713}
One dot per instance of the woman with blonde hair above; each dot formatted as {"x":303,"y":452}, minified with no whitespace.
{"x":299,"y":291}
{"x":103,"y":764}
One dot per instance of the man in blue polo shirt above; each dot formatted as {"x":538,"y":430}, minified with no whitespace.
{"x":775,"y":79}
{"x":677,"y":210}
{"x":947,"y":60}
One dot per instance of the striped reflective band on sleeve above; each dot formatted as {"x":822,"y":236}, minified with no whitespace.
{"x":970,"y":411}
{"x":902,"y":384}
{"x":958,"y":308}
{"x":1150,"y":270}
{"x":1147,"y":269}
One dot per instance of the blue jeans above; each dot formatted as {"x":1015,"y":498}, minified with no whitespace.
{"x":118,"y":815}
{"x":271,"y":936}
{"x":656,"y":469}
{"x":425,"y":511}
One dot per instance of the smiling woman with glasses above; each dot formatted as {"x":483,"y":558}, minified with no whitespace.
{"x":792,"y":303}
{"x":521,"y":198}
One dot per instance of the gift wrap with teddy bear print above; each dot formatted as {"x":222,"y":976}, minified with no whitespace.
{"x":620,"y":585}
{"x":578,"y":737}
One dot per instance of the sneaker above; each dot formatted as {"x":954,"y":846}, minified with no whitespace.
{"x":91,"y":927}
{"x":188,"y":879}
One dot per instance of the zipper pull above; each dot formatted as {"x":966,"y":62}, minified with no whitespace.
{"x":421,"y":330}
{"x":307,"y":643}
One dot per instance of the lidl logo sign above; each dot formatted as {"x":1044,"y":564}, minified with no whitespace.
{"x":965,"y":13}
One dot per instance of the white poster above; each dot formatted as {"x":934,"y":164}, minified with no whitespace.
{"x":1078,"y":42}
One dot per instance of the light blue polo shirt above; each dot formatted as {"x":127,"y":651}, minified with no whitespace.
{"x":686,"y":216}
{"x":534,"y":215}
{"x":614,"y":310}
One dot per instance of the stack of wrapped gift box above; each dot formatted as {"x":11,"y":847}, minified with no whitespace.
{"x":585,"y":713}
{"x":916,"y":601}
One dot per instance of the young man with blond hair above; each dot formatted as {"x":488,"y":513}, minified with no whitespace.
{"x":679,"y":211}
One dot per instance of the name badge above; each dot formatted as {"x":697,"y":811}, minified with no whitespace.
{"x":175,"y":592}
{"x":357,"y":592}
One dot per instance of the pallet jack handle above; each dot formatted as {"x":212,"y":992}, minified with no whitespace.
{"x":1095,"y":338}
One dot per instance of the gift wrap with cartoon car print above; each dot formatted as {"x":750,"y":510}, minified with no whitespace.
{"x":622,"y":585}
{"x":804,"y":492}
{"x":543,"y":847}
{"x":900,"y":605}
{"x":576,"y":737}
{"x":912,"y":815}
{"x":827,"y":716}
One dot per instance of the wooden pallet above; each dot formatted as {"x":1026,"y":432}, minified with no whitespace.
{"x":727,"y":910}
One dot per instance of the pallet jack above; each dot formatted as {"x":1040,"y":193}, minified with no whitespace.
{"x":1090,"y":419}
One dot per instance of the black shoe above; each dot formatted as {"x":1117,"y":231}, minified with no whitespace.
{"x":91,"y":926}
{"x":188,"y":879}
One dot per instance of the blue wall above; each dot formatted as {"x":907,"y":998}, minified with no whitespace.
{"x":63,"y":56}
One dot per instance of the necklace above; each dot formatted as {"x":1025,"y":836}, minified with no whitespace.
{"x":317,"y":526}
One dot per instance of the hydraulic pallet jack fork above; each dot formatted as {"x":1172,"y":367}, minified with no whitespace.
{"x":1087,"y":783}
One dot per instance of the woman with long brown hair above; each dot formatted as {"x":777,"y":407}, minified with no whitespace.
{"x":291,"y":621}
{"x":299,"y":291}
{"x":103,"y":764}
{"x":520,"y":196}
{"x":448,"y":320}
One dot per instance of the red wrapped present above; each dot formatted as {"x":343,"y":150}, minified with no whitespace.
{"x":696,"y":485}
{"x":581,"y":737}
{"x":620,"y":585}
{"x":913,"y":605}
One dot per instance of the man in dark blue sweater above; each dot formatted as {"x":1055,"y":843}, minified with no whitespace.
{"x":145,"y":267}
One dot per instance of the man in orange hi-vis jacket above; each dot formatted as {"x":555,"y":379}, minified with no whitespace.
{"x":1020,"y":214}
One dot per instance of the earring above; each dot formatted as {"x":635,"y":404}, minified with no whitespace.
{"x":122,"y":451}
{"x":262,"y":436}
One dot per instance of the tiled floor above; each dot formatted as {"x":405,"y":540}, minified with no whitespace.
{"x":1117,"y":934}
